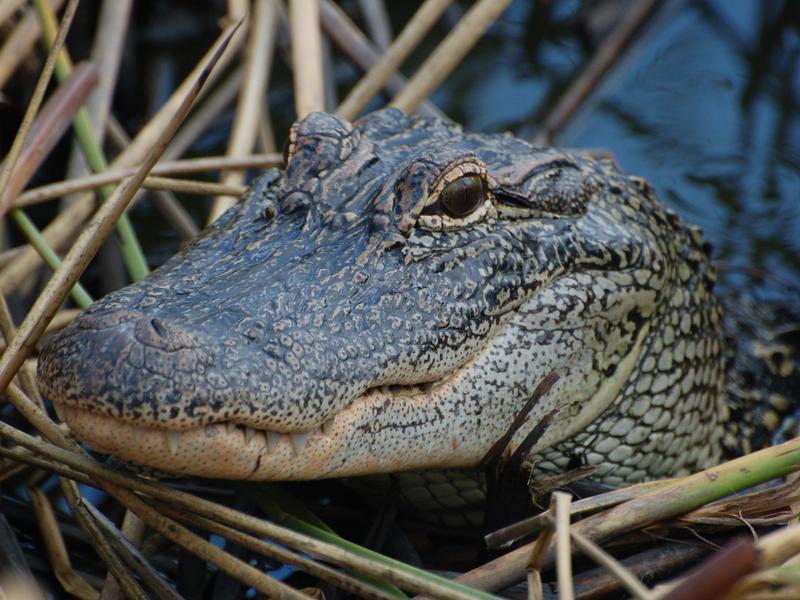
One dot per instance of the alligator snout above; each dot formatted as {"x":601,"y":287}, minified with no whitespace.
{"x":127,"y":363}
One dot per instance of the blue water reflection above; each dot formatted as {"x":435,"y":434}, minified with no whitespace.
{"x":706,"y":106}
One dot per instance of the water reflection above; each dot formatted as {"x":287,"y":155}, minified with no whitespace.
{"x":710,"y":114}
{"x":706,"y":107}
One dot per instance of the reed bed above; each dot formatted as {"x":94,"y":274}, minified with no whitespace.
{"x":697,"y":537}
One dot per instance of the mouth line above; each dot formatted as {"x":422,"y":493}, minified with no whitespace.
{"x":172,"y":438}
{"x":219,"y":448}
{"x":248,"y":434}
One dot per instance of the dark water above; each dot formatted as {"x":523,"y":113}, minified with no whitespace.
{"x":706,"y":106}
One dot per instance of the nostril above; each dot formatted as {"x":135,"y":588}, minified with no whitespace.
{"x":162,"y":334}
{"x":158,"y":327}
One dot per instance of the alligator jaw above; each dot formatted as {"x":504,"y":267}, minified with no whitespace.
{"x":232,"y":451}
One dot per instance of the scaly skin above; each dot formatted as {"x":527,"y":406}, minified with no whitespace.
{"x":338,"y":304}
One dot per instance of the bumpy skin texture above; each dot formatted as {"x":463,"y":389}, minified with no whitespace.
{"x":338,"y":303}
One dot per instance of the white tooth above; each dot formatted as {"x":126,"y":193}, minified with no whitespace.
{"x":249,"y":432}
{"x":172,"y":438}
{"x":231,"y":427}
{"x":327,"y":426}
{"x":299,"y":441}
{"x":59,"y":411}
{"x":138,"y":433}
{"x":273,"y":437}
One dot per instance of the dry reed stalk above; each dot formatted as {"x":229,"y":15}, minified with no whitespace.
{"x":377,"y":21}
{"x":134,"y":560}
{"x":563,"y":553}
{"x":309,"y":90}
{"x":52,"y":296}
{"x":507,"y":535}
{"x":57,"y":554}
{"x":680,"y":496}
{"x":381,"y":72}
{"x":629,"y":581}
{"x":537,"y":555}
{"x":65,"y":459}
{"x":8,"y":8}
{"x":257,"y":67}
{"x":98,"y":229}
{"x":106,"y":55}
{"x":448,"y":54}
{"x":191,"y":165}
{"x":275,"y":552}
{"x":132,"y":531}
{"x":361,"y":52}
{"x":166,"y":203}
{"x":20,"y":42}
{"x":204,"y":114}
{"x":10,"y":161}
{"x":64,"y":227}
{"x":45,"y":132}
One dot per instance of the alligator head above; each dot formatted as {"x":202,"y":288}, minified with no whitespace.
{"x":390,"y":302}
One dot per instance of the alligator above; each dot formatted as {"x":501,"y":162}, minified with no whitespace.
{"x":394,"y":300}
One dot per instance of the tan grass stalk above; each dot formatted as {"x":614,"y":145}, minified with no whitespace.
{"x":258,"y":64}
{"x":10,"y":161}
{"x":57,"y":554}
{"x":380,"y":73}
{"x":448,"y":54}
{"x":20,"y":42}
{"x":309,"y":89}
{"x":190,"y":165}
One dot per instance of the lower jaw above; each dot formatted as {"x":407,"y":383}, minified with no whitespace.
{"x":215,"y":451}
{"x":232,"y":452}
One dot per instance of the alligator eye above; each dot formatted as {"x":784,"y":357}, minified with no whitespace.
{"x":462,"y":196}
